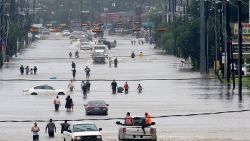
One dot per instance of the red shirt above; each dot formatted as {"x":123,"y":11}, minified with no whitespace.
{"x":126,"y":86}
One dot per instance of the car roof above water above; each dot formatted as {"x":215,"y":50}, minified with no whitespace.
{"x":83,"y":122}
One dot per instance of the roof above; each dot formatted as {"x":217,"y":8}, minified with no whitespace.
{"x":83,"y":122}
{"x":37,"y":25}
{"x":99,"y":50}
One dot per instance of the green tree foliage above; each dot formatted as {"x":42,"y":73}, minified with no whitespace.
{"x":14,"y":33}
{"x":182,"y":38}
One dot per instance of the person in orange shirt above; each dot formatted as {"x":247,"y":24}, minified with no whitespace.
{"x":147,"y":122}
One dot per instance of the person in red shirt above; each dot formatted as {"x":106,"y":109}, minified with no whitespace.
{"x":128,"y":119}
{"x":126,"y":87}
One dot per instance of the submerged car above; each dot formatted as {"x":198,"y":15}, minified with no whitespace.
{"x":96,"y":107}
{"x":43,"y":89}
{"x":99,"y":56}
{"x":83,"y":131}
{"x":85,"y":46}
{"x":66,"y":33}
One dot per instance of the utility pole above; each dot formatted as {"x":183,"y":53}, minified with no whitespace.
{"x":221,"y":39}
{"x":34,"y":11}
{"x":187,"y":4}
{"x":202,"y":38}
{"x":215,"y":38}
{"x":173,"y":10}
{"x":206,"y":38}
{"x":240,"y":49}
{"x":92,"y":13}
{"x":229,"y":43}
{"x":81,"y":15}
{"x":249,"y":11}
{"x":1,"y":28}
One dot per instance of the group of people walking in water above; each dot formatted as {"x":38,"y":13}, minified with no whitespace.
{"x":28,"y":70}
{"x":76,"y":54}
{"x":50,"y":129}
{"x":140,"y":42}
{"x":87,"y":71}
{"x":116,"y":88}
{"x":111,"y":61}
{"x":68,"y":103}
{"x":85,"y":86}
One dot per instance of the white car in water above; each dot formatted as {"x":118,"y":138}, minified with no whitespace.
{"x":43,"y":89}
{"x":83,"y":131}
{"x":85,"y":46}
{"x":66,"y":33}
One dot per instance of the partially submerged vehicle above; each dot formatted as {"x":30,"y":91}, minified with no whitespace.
{"x":99,"y":47}
{"x":82,"y":131}
{"x":99,"y":56}
{"x":135,"y":133}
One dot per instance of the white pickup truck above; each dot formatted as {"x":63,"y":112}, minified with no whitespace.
{"x":135,"y":132}
{"x":83,"y":131}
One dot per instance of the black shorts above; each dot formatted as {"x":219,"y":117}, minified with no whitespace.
{"x":51,"y":134}
{"x":35,"y":137}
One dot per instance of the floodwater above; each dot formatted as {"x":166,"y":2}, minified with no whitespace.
{"x":169,"y":88}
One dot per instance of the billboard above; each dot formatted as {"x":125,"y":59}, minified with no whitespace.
{"x":245,"y":28}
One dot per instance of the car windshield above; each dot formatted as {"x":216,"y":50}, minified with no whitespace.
{"x":84,"y":127}
{"x":138,"y":121}
{"x":99,"y":47}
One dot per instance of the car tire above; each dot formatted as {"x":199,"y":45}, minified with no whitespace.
{"x":64,"y":139}
{"x":106,"y":113}
{"x":61,"y":93}
{"x":33,"y":93}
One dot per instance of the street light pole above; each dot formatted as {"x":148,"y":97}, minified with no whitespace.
{"x":2,"y":32}
{"x":206,"y":38}
{"x":81,"y":15}
{"x":202,"y":37}
{"x":240,"y":50}
{"x":229,"y":40}
{"x":92,"y":14}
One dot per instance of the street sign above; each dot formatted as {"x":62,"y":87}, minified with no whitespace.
{"x":136,"y":29}
{"x":33,"y":29}
{"x":63,"y":24}
{"x":85,"y":24}
{"x":161,"y":29}
{"x":245,"y":28}
{"x":96,"y":30}
{"x":245,"y":47}
{"x":49,"y":25}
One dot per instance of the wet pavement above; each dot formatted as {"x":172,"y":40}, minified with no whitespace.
{"x":168,"y":89}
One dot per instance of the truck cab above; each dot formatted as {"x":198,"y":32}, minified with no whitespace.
{"x":82,"y":131}
{"x":99,"y":56}
{"x":99,"y":47}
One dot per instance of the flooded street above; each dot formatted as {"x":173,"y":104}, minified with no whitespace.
{"x":169,"y":88}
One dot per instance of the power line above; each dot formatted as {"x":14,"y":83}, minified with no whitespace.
{"x":146,"y":79}
{"x":118,"y":118}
